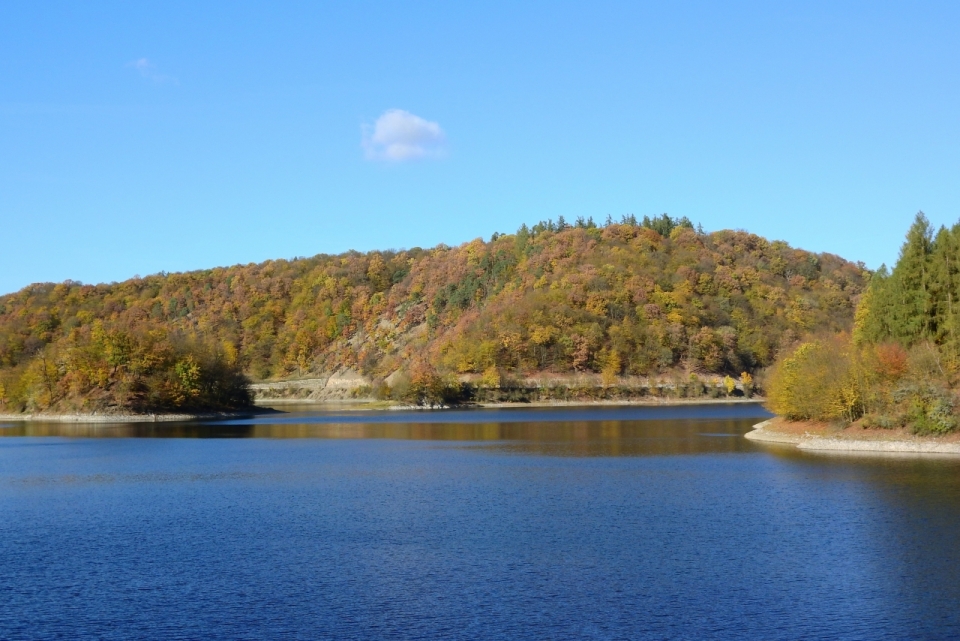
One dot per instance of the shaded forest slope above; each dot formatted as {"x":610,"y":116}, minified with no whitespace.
{"x":629,"y":298}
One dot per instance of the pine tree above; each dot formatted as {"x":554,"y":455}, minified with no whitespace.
{"x":943,"y":290}
{"x":910,"y":310}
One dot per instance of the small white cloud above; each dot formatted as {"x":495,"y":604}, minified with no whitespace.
{"x":398,"y":135}
{"x":143,"y":66}
{"x":148,"y":70}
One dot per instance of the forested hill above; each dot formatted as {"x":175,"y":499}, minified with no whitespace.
{"x":635,"y":297}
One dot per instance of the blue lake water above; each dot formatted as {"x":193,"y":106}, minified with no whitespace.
{"x":599,"y":523}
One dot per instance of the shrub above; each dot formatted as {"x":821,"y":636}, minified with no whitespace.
{"x":929,"y":408}
{"x":817,"y":381}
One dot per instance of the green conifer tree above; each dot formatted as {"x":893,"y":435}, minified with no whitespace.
{"x":871,"y":320}
{"x":910,"y":307}
{"x":944,"y":268}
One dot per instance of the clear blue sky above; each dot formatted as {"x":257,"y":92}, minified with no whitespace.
{"x":149,"y":136}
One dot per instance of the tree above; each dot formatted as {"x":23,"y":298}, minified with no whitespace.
{"x":817,"y":381}
{"x":910,"y":307}
{"x":729,"y":384}
{"x":746,"y":380}
{"x":943,"y":291}
{"x":611,"y":367}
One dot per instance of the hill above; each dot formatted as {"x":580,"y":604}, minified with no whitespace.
{"x":634,"y":298}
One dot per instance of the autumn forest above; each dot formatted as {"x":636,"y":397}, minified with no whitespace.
{"x":628,"y":298}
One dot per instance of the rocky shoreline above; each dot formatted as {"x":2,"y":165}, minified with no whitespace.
{"x":896,"y":443}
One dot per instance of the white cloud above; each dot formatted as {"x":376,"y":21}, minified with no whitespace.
{"x":142,"y":65}
{"x":398,"y":135}
{"x":148,"y":70}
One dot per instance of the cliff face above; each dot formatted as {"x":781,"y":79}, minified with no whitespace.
{"x":621,"y":300}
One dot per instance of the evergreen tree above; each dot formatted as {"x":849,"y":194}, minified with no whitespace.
{"x":523,"y":238}
{"x":943,"y":290}
{"x":872,"y":317}
{"x":910,"y":308}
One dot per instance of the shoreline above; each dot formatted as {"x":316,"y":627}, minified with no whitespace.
{"x":133,"y":418}
{"x":359,"y":405}
{"x":271,"y":406}
{"x":875,"y":444}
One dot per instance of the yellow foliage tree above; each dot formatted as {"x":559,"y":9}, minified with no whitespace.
{"x":747,"y":382}
{"x":611,"y":368}
{"x":729,"y":384}
{"x":819,"y":380}
{"x":491,"y":377}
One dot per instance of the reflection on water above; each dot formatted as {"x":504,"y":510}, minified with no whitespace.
{"x":604,"y":431}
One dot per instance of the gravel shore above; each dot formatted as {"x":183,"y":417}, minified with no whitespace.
{"x":816,"y":443}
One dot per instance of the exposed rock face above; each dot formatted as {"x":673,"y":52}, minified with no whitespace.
{"x":340,"y":385}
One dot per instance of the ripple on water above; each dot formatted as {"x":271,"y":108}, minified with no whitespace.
{"x":574,"y":529}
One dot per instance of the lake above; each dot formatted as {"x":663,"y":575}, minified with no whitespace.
{"x":572,"y":523}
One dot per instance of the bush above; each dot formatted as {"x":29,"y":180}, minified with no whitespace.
{"x":426,"y":388}
{"x":820,"y":380}
{"x":882,"y":421}
{"x":929,"y":408}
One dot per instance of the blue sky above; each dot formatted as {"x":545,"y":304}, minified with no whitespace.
{"x":149,"y":136}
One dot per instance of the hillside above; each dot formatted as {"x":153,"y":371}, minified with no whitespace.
{"x":635,"y":298}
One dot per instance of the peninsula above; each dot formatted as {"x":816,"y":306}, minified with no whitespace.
{"x":891,"y":383}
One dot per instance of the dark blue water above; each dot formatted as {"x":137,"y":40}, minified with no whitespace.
{"x":585,"y":524}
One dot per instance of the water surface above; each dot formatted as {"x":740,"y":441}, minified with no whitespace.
{"x":605,"y":523}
